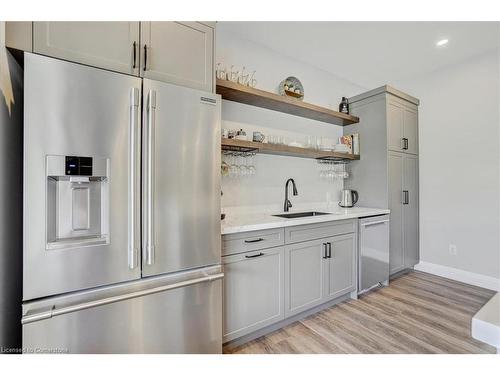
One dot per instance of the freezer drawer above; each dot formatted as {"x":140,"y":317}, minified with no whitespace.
{"x":173,"y":314}
{"x":373,"y":251}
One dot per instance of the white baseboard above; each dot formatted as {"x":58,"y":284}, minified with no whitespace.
{"x":467,"y":277}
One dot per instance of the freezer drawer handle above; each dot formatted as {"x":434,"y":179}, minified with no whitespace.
{"x":254,"y":256}
{"x":253,"y":241}
{"x":106,"y":301}
{"x":374,"y":223}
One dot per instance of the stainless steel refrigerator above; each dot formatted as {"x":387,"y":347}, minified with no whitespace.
{"x":121,"y":213}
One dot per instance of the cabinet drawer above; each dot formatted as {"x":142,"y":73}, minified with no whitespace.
{"x":253,"y":291}
{"x":248,"y":241}
{"x":313,"y":231}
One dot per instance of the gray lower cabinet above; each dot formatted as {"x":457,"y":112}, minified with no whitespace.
{"x":305,"y":269}
{"x":265,"y":285}
{"x":253,"y":291}
{"x":342,"y":265}
{"x":318,"y":271}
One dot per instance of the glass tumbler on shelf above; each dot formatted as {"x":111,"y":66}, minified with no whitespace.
{"x":319,"y":143}
{"x":311,"y":141}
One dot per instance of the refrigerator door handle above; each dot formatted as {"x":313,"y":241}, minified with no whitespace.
{"x":148,"y":203}
{"x":30,"y":318}
{"x":133,"y":179}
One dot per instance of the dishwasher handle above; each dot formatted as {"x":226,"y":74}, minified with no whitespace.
{"x":374,"y":223}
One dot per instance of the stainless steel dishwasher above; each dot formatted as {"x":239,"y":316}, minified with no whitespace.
{"x":373,"y":252}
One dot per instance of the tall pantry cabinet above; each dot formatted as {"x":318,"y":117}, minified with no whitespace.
{"x":387,"y":173}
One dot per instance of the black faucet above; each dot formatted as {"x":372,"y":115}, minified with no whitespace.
{"x":288,"y":204}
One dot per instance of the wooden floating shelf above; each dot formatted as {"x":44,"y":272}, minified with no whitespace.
{"x":286,"y":104}
{"x":273,"y":149}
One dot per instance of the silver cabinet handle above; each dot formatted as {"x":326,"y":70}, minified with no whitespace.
{"x":329,"y":249}
{"x":30,"y":318}
{"x":145,"y":57}
{"x":374,"y":223}
{"x":406,"y":197}
{"x":133,"y":189}
{"x":148,"y":190}
{"x":325,"y":254}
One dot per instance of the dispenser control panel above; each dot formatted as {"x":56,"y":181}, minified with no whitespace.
{"x":78,"y":166}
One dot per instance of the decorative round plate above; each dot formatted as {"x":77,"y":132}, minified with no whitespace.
{"x":291,"y":86}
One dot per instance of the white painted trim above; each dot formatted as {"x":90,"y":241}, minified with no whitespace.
{"x":486,"y":323}
{"x":467,"y":277}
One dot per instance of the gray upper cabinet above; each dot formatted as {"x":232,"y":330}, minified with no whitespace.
{"x":107,"y":45}
{"x":253,"y":291}
{"x":402,"y":126}
{"x":410,"y":129}
{"x":181,"y":53}
{"x":395,"y":118}
{"x":410,"y":210}
{"x":304,"y":276}
{"x":342,"y":265}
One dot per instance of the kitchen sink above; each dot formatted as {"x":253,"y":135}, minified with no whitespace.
{"x":296,"y":215}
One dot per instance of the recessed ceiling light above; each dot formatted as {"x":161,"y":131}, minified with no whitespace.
{"x":441,"y":42}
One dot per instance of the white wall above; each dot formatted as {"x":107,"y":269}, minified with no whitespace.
{"x":267,"y":186}
{"x":459,"y":164}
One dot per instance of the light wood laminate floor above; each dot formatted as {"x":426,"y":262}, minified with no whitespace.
{"x":416,"y":313}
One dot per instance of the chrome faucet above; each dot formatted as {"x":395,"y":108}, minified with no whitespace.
{"x":288,"y":204}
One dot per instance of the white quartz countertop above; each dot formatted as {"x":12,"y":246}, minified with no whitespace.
{"x":245,"y":220}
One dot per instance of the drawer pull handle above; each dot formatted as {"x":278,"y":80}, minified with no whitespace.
{"x":254,"y":256}
{"x":325,"y":251}
{"x":253,"y":241}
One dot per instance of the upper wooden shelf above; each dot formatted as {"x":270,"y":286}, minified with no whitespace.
{"x":274,"y":149}
{"x":259,"y":98}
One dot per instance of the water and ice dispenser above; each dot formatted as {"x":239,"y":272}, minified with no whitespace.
{"x":77,"y":201}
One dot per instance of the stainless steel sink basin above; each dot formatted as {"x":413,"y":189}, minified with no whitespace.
{"x":296,"y":215}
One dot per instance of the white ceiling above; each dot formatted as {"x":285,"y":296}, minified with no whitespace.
{"x":372,"y":53}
